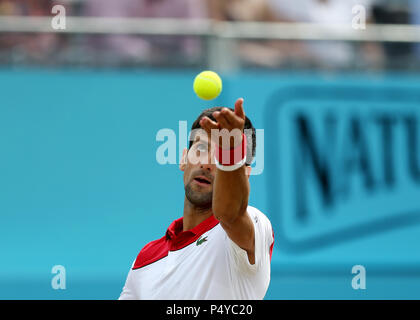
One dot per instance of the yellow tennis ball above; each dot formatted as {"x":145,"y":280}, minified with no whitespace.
{"x":207,"y":85}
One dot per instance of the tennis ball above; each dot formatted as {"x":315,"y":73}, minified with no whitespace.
{"x":207,"y":85}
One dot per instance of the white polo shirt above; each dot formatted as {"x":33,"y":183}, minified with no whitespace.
{"x":202,"y":263}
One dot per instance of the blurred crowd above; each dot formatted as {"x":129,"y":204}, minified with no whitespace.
{"x":129,"y":50}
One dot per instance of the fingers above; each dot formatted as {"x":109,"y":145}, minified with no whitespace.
{"x":226,"y":118}
{"x":222,"y":119}
{"x":239,"y":108}
{"x":207,"y":124}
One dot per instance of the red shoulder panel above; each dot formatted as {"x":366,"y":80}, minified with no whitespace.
{"x":272,"y":245}
{"x":152,"y":252}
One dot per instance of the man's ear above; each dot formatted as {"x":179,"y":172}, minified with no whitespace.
{"x":248,"y":170}
{"x":183,"y":161}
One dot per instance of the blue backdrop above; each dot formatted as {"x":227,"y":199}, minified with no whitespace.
{"x":80,"y":185}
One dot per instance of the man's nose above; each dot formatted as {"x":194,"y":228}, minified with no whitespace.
{"x":207,"y":165}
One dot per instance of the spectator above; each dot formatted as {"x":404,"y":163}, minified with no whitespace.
{"x":415,"y":19}
{"x":240,"y":10}
{"x":141,"y":48}
{"x":331,"y":12}
{"x":30,"y":47}
{"x":251,"y":53}
{"x":394,"y":12}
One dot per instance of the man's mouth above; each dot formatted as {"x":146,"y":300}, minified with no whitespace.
{"x":202,"y":180}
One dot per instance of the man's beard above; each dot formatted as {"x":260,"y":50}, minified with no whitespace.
{"x":199,"y":199}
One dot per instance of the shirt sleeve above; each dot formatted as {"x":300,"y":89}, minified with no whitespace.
{"x":128,"y":292}
{"x":264,"y":241}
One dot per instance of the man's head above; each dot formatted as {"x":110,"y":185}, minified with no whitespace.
{"x":198,"y":164}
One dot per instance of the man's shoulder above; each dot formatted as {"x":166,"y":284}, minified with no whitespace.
{"x":151,"y":252}
{"x":257,"y":215}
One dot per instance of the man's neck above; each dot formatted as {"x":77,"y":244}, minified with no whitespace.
{"x":194,"y":215}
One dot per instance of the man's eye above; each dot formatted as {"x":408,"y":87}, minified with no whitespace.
{"x":202,"y":148}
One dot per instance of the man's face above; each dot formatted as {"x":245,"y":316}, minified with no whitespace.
{"x":199,"y":170}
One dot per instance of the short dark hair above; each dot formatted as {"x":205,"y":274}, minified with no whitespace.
{"x":250,"y":136}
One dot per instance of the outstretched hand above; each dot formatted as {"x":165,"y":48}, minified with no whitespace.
{"x":232,"y":121}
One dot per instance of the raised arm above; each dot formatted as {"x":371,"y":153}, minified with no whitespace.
{"x":231,"y":188}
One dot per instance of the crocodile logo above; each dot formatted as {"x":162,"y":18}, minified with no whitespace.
{"x":200,"y":241}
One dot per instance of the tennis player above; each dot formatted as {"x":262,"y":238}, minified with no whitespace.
{"x":221,"y":248}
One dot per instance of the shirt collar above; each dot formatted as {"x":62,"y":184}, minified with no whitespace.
{"x":176,"y":227}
